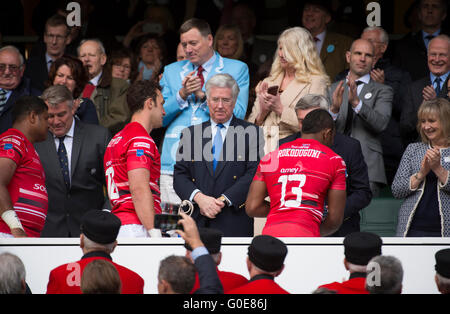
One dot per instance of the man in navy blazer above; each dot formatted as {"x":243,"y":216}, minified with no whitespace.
{"x":217,"y":160}
{"x":183,"y":90}
{"x":359,"y":194}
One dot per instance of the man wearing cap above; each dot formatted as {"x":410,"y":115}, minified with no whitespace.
{"x":265,"y":261}
{"x":442,"y":267}
{"x":99,"y":231}
{"x":212,"y":239}
{"x":360,"y":248}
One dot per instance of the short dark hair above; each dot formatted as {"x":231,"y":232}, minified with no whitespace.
{"x":57,"y":20}
{"x":317,"y":121}
{"x":25,"y":105}
{"x":139,"y":92}
{"x":202,"y":26}
{"x":179,"y":272}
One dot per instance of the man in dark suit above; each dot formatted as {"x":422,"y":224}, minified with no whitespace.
{"x":411,"y":51}
{"x":357,"y":181}
{"x":429,"y":87}
{"x":218,"y":182}
{"x":72,"y":157}
{"x":56,"y":38}
{"x":362,"y":109}
{"x":12,"y":84}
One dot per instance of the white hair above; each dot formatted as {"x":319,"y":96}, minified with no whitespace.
{"x":12,"y":274}
{"x":384,"y":37}
{"x":14,"y":49}
{"x":223,"y":81}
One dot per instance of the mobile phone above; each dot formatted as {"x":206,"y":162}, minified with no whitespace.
{"x":167,"y":222}
{"x":273,"y":90}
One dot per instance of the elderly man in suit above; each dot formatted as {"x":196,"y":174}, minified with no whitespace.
{"x":184,"y":93}
{"x":217,"y":160}
{"x":362,"y":109}
{"x":72,"y":157}
{"x":429,"y":87}
{"x":330,"y":46}
{"x":12,"y":84}
{"x":357,"y":177}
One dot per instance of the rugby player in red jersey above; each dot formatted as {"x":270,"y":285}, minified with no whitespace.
{"x":132,"y":163}
{"x":299,"y":177}
{"x":23,"y":196}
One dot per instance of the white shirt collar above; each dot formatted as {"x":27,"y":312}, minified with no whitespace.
{"x":96,"y":79}
{"x":207,"y":66}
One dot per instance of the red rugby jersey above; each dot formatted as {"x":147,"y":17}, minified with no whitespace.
{"x":27,"y":186}
{"x":132,"y":148}
{"x":298,"y":176}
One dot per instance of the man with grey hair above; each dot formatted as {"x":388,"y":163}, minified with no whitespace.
{"x":107,"y":93}
{"x":357,"y":179}
{"x":13,"y":84}
{"x":384,"y":275}
{"x":12,"y":274}
{"x":216,"y":162}
{"x":72,"y":157}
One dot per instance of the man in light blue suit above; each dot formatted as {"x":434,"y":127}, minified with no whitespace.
{"x":183,"y":89}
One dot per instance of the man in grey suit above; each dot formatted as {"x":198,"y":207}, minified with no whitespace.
{"x":72,"y":157}
{"x":362,"y":108}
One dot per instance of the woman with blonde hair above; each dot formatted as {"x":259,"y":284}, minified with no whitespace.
{"x":422,"y":178}
{"x":296,"y":71}
{"x":228,"y":42}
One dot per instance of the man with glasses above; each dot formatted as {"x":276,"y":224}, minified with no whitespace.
{"x":12,"y":84}
{"x":56,"y":38}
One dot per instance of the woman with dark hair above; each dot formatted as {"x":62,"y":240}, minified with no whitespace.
{"x":69,"y":71}
{"x":151,"y":51}
{"x":123,"y":65}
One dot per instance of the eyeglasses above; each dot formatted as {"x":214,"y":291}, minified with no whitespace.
{"x":123,"y":66}
{"x":14,"y":69}
{"x":57,"y":37}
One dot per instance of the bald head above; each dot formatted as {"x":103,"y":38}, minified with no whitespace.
{"x":361,"y":57}
{"x":438,"y":53}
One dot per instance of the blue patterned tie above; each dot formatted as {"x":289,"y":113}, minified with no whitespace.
{"x":437,"y":81}
{"x":63,"y":161}
{"x":217,"y":145}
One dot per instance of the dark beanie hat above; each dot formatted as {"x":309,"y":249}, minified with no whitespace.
{"x":443,"y":263}
{"x":100,"y":226}
{"x":211,"y":238}
{"x":267,"y":253}
{"x":361,"y":247}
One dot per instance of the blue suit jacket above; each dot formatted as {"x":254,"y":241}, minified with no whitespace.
{"x":177,"y":118}
{"x":358,"y":188}
{"x":242,"y":148}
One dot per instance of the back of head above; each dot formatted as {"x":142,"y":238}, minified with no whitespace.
{"x":387,"y":274}
{"x":12,"y":274}
{"x":26,"y":105}
{"x":101,"y":229}
{"x":201,"y":25}
{"x":139,"y":92}
{"x":100,"y":277}
{"x":361,"y":247}
{"x":442,"y":268}
{"x":310,"y":101}
{"x":211,"y":238}
{"x":317,"y":121}
{"x":178,"y":272}
{"x":267,"y":253}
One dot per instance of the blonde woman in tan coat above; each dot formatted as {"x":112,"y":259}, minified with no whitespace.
{"x":296,"y":72}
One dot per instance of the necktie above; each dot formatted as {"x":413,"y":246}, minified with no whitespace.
{"x":437,"y":88}
{"x":349,"y":121}
{"x":217,"y":145}
{"x":63,"y":161}
{"x":3,"y":99}
{"x":200,"y":71}
{"x":88,"y":90}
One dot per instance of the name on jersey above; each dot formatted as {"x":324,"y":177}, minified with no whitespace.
{"x":289,"y":152}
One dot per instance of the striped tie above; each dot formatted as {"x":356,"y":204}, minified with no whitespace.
{"x":3,"y":99}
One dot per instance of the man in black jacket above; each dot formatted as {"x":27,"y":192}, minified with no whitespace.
{"x":359,"y":194}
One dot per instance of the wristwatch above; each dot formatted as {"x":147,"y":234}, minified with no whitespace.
{"x":224,"y":199}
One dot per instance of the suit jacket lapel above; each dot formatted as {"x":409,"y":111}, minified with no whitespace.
{"x":78,"y":134}
{"x":51,"y":155}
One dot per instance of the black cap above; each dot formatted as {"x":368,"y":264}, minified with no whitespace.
{"x":211,"y":238}
{"x":361,"y":247}
{"x":443,"y":263}
{"x":100,"y":226}
{"x":267,"y":253}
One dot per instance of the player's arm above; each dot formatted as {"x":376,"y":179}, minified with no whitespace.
{"x":7,"y":213}
{"x":141,"y":194}
{"x":255,"y":205}
{"x":336,"y":206}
